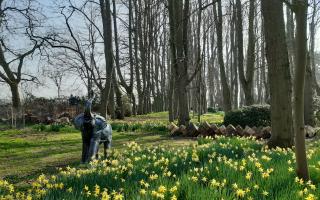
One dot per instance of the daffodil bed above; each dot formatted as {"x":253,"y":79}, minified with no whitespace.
{"x":223,"y":168}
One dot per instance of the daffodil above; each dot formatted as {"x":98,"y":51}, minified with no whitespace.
{"x":310,"y":197}
{"x":173,"y":189}
{"x":143,"y":191}
{"x":248,"y":175}
{"x":162,"y":189}
{"x":240,"y":193}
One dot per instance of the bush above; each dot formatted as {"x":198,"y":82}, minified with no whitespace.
{"x":212,"y":110}
{"x":55,"y":127}
{"x":255,"y":115}
{"x":152,"y":127}
{"x":39,"y":127}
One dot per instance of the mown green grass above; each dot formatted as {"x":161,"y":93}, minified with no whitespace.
{"x":39,"y":149}
{"x":197,"y":171}
{"x":163,"y":117}
{"x":213,"y":169}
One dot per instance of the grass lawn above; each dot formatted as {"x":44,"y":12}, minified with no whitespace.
{"x":162,"y":117}
{"x":148,"y":164}
{"x":24,"y":154}
{"x":224,"y":168}
{"x":27,"y":153}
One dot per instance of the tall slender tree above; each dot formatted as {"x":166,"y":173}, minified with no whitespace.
{"x":217,"y":10}
{"x":108,"y":52}
{"x":300,"y":7}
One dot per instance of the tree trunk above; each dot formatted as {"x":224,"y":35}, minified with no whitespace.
{"x":246,"y":78}
{"x":111,"y":103}
{"x":301,"y":7}
{"x":313,"y":33}
{"x":17,"y":115}
{"x":309,"y":92}
{"x":290,"y":38}
{"x":108,"y":48}
{"x":225,"y":87}
{"x":179,"y":17}
{"x":279,"y":74}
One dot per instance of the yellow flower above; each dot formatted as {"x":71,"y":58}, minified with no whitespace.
{"x":235,"y":186}
{"x":194,"y":178}
{"x":61,"y":185}
{"x":313,"y":187}
{"x":143,"y":191}
{"x":258,"y":165}
{"x":118,"y":197}
{"x":195,"y":157}
{"x":11,"y":188}
{"x":105,"y":195}
{"x":248,"y":175}
{"x":265,"y":175}
{"x":69,"y":189}
{"x":264,"y":157}
{"x":290,"y":169}
{"x":310,"y":197}
{"x":160,"y":196}
{"x":162,"y":189}
{"x":141,"y":182}
{"x":173,"y":189}
{"x":114,"y":162}
{"x":300,"y":193}
{"x":96,"y":190}
{"x":265,"y":193}
{"x":153,"y":177}
{"x":214,"y":183}
{"x":173,"y":197}
{"x":301,"y":181}
{"x":240,"y":193}
{"x":154,"y":193}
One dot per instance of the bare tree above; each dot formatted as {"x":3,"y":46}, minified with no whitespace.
{"x":57,"y":75}
{"x":12,"y":58}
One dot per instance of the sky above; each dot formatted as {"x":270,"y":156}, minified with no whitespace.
{"x":71,"y":84}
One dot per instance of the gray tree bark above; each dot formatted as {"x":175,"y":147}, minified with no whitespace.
{"x":108,"y":52}
{"x":301,"y":7}
{"x":225,"y":87}
{"x":279,"y":74}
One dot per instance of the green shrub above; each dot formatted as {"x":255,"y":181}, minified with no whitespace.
{"x":255,"y":115}
{"x":152,"y":127}
{"x":212,"y":110}
{"x":39,"y":127}
{"x":55,"y":127}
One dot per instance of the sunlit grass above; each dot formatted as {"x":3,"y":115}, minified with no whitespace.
{"x":228,"y":168}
